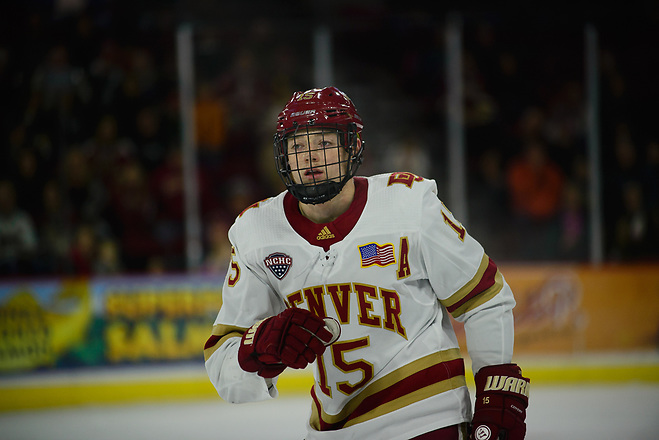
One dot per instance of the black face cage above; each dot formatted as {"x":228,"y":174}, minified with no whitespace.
{"x":322,"y":190}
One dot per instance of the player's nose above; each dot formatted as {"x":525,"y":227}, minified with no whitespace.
{"x":312,"y":154}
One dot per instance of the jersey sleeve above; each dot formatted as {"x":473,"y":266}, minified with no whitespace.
{"x":246,"y":299}
{"x":467,"y":283}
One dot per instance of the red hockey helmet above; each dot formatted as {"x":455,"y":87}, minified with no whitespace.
{"x":329,"y":111}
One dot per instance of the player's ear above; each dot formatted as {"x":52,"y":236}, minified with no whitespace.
{"x":358,"y":144}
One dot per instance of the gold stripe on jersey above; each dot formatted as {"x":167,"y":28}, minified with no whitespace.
{"x":428,"y":376}
{"x":485,"y":285}
{"x":219,"y":336}
{"x":482,"y":298}
{"x":464,"y":290}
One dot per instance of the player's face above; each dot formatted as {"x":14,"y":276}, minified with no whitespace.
{"x":316,"y":156}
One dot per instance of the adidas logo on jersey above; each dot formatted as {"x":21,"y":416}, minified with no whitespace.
{"x":324,"y":234}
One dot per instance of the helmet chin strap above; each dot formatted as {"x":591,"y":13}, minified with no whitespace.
{"x":319,"y":193}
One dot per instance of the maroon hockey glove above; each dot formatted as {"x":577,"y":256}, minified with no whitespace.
{"x":502,"y":395}
{"x":291,"y":339}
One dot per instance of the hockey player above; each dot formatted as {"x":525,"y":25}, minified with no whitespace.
{"x":386,"y":259}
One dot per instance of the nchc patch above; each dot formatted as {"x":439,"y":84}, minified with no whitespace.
{"x":279,"y":264}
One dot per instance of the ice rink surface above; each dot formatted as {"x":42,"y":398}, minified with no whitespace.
{"x":617,"y":412}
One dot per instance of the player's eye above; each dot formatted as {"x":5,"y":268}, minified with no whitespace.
{"x":325,"y":144}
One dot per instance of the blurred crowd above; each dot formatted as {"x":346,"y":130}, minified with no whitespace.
{"x":91,"y":177}
{"x":527,"y":125}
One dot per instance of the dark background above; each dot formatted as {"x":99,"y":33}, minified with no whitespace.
{"x":90,"y":121}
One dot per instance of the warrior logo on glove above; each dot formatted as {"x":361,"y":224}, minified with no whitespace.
{"x":483,"y":433}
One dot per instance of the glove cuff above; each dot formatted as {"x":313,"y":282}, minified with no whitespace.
{"x":497,"y":381}
{"x":248,"y":358}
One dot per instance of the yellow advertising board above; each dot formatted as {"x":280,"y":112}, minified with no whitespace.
{"x":100,"y":321}
{"x":40,"y":321}
{"x":573,"y":309}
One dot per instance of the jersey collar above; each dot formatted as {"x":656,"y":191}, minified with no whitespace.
{"x":326,"y":234}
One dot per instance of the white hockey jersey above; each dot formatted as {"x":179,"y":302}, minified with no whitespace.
{"x":389,"y":270}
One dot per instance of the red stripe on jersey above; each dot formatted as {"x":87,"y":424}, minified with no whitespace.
{"x":486,"y":281}
{"x":212,"y":341}
{"x":423,"y":378}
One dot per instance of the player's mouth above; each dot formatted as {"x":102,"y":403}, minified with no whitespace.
{"x":313,"y":173}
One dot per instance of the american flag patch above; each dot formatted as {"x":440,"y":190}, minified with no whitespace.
{"x":373,"y":253}
{"x":279,"y":264}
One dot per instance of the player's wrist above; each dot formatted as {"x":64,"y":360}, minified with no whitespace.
{"x":250,"y":360}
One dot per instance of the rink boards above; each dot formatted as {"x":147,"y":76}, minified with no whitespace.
{"x":129,"y":385}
